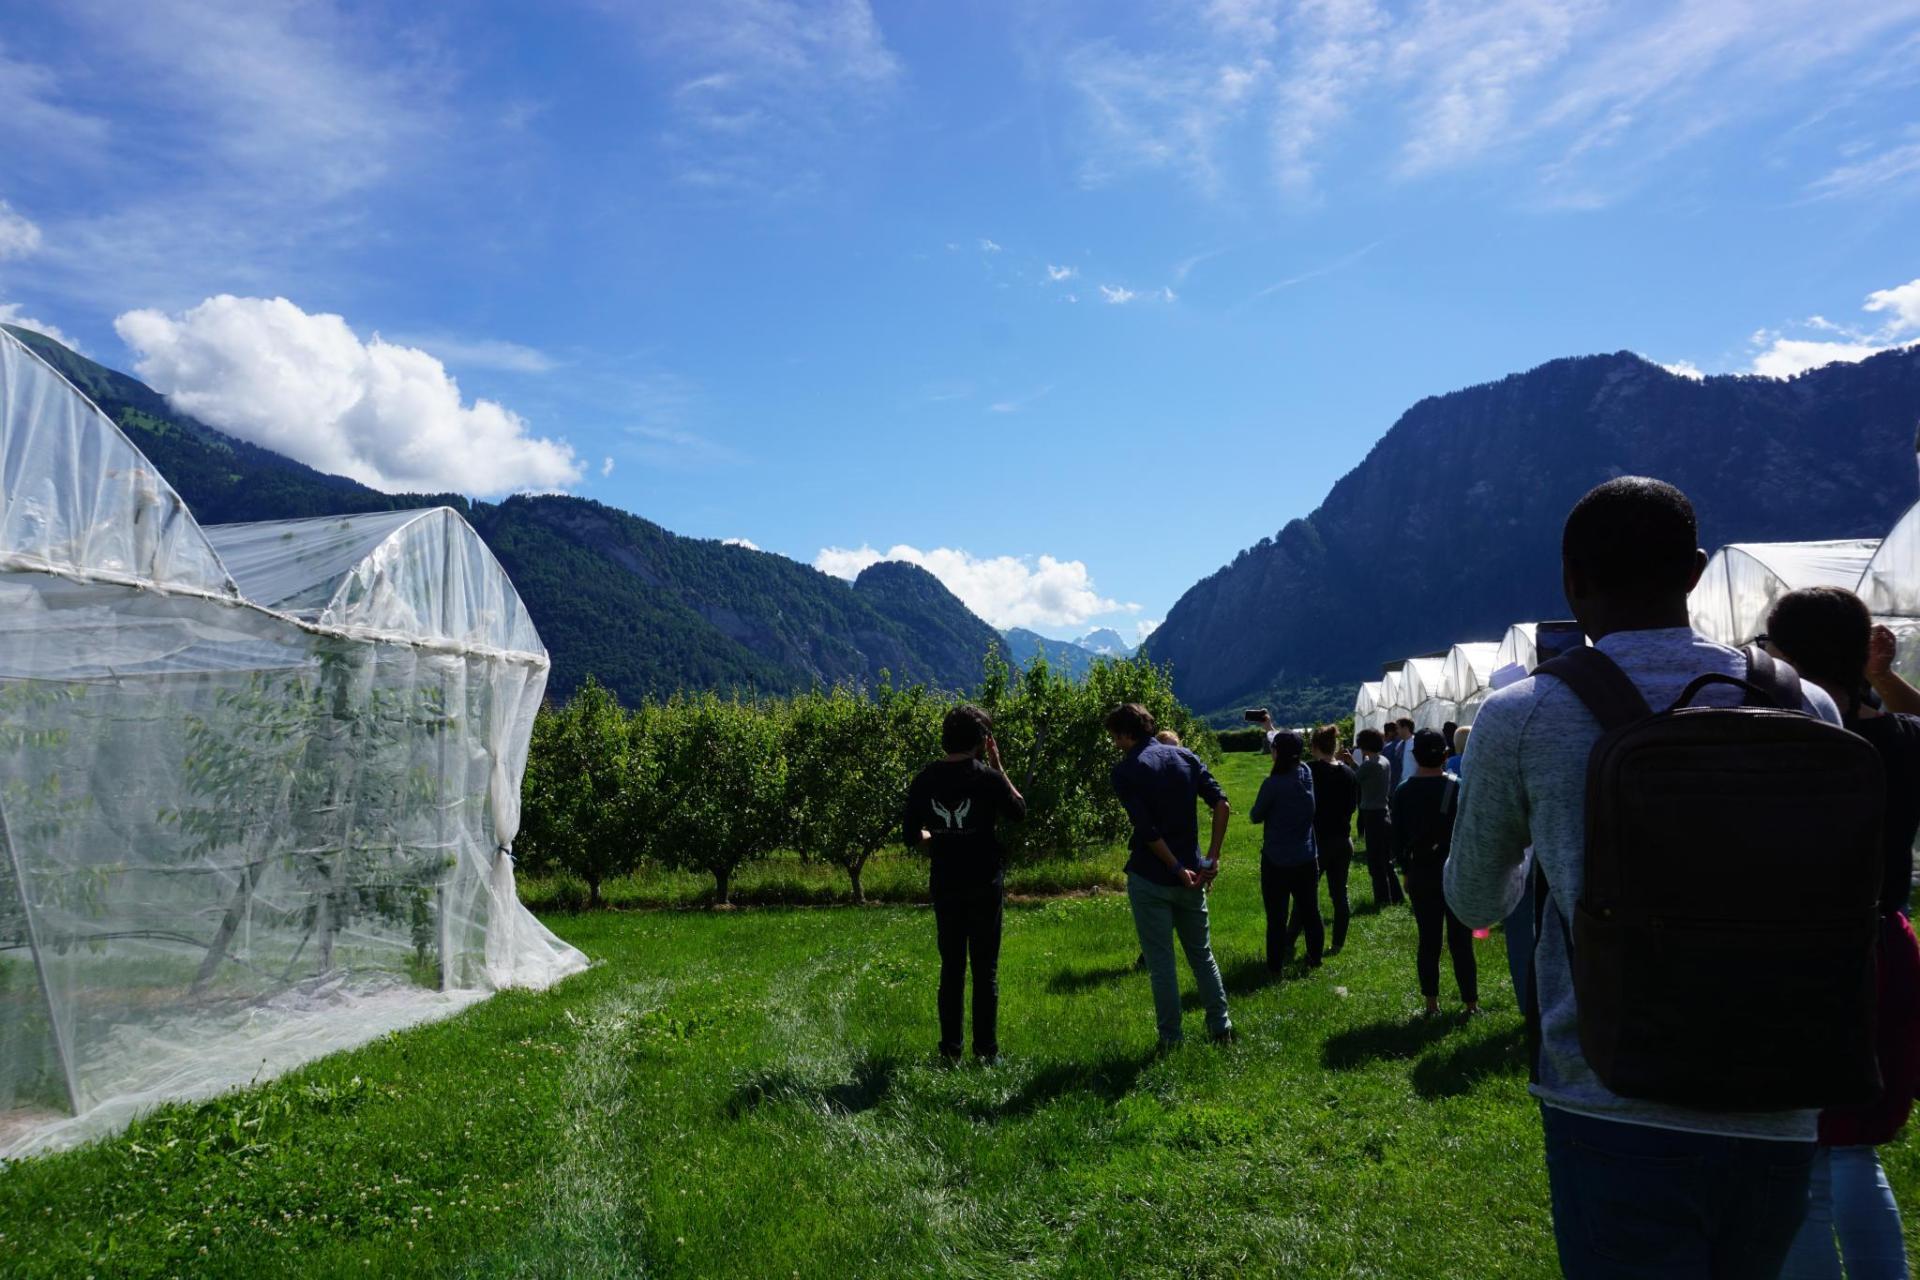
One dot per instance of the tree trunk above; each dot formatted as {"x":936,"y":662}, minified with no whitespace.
{"x":593,"y":893}
{"x":723,"y":885}
{"x":854,"y":869}
{"x":229,"y":925}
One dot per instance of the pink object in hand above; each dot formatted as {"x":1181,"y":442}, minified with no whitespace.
{"x":1483,"y":933}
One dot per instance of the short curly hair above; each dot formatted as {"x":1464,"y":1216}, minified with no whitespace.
{"x":1131,"y":720}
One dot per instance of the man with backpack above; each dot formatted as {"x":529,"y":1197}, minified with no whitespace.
{"x":1706,"y":858}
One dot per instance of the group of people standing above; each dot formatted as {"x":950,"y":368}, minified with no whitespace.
{"x":1662,"y":1157}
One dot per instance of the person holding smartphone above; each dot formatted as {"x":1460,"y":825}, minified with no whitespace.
{"x":953,"y":807}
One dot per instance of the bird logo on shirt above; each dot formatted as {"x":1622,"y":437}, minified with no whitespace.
{"x":956,"y":819}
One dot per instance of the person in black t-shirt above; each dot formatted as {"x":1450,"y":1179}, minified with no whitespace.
{"x":1336,"y":791}
{"x":952,"y":808}
{"x":1424,"y":807}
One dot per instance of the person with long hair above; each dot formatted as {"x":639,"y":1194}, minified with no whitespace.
{"x":1289,"y":862}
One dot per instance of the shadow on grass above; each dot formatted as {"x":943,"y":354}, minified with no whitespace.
{"x":1458,"y":1070}
{"x":871,"y":1081}
{"x":1068,"y":982}
{"x":1108,"y":1079}
{"x":1379,"y":1041}
{"x":1242,"y":977}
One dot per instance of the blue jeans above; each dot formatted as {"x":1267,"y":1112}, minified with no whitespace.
{"x":1159,"y":912}
{"x":1632,"y":1200}
{"x":1848,"y":1198}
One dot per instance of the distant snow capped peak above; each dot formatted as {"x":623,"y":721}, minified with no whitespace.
{"x":1106,"y":642}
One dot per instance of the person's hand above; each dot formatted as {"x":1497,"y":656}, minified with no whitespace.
{"x":1189,"y":878}
{"x":1880,"y":651}
{"x":993,"y":754}
{"x":926,"y":836}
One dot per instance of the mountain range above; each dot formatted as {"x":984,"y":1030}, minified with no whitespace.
{"x":644,"y":610}
{"x":1449,"y":529}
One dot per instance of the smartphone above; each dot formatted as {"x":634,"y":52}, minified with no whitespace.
{"x":1551,"y":639}
{"x":1255,"y":714}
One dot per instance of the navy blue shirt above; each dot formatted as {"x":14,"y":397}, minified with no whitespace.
{"x":1158,"y":785}
{"x":1285,"y":809}
{"x":1395,"y":754}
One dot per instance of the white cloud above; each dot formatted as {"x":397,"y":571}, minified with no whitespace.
{"x":748,"y":543}
{"x":12,"y":313}
{"x":1784,"y":357}
{"x":1683,"y":369}
{"x":1901,"y":304}
{"x":1118,"y":295}
{"x":481,"y":353}
{"x":1057,"y":274}
{"x":1008,"y":591}
{"x":307,"y":386}
{"x":19,"y":237}
{"x":988,"y":246}
{"x":606,"y":466}
{"x":1144,"y":628}
{"x":1895,"y":164}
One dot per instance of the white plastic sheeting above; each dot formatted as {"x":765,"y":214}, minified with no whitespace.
{"x":1367,"y":713}
{"x":1465,"y":676}
{"x":1420,"y":681}
{"x":1890,"y":584}
{"x":1516,"y":648}
{"x":232,"y":838}
{"x":1744,"y":580}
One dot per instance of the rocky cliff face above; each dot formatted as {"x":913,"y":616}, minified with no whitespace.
{"x":1449,"y":529}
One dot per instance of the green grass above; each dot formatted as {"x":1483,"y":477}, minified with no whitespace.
{"x":751,"y":1093}
{"x":785,"y":880}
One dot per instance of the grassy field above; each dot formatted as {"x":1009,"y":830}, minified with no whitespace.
{"x":753,"y":1093}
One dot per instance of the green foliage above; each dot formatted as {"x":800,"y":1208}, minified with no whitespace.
{"x":589,"y":794}
{"x":721,"y":780}
{"x":849,"y":759}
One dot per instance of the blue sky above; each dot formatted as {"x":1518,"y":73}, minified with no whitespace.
{"x":994,"y":284}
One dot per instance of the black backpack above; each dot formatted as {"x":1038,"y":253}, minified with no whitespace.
{"x":1723,"y":943}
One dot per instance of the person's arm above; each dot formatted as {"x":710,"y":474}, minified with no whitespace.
{"x":1895,"y":693}
{"x":1262,"y":802}
{"x":1402,"y":828}
{"x":1012,"y":804}
{"x":913,"y":824}
{"x":1210,"y":790}
{"x":1491,"y":827}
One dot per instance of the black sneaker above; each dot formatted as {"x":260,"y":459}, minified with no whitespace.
{"x":1229,"y":1036}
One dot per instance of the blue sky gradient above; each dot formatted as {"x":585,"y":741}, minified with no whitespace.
{"x":992,"y":283}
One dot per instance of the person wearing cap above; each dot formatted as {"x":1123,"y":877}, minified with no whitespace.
{"x":1423,"y":811}
{"x":1289,"y":859}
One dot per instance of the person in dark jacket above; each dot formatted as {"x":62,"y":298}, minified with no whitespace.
{"x":952,"y":808}
{"x":1829,"y":637}
{"x":1289,"y":862}
{"x":1375,"y":778}
{"x":1167,"y":876}
{"x":1423,"y":814}
{"x":1336,"y":790}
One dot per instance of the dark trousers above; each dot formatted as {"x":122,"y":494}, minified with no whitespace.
{"x":1336,"y":859}
{"x":1378,"y":833}
{"x":1632,"y":1200}
{"x":1292,"y":899}
{"x":1432,"y":914}
{"x":967,"y":923}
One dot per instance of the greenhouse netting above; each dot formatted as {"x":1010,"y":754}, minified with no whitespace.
{"x":1744,"y":580}
{"x":1420,"y":690}
{"x":1465,"y":677}
{"x":1890,"y":582}
{"x":243,"y":823}
{"x":1516,"y":649}
{"x":1366,"y":707}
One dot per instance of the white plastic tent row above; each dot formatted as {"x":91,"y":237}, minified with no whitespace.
{"x":1744,"y":580}
{"x":242,"y":823}
{"x":1465,"y":677}
{"x":1367,"y":713}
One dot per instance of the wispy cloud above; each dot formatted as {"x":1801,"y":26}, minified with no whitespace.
{"x":1057,"y":274}
{"x":19,"y":237}
{"x":1314,"y":273}
{"x":481,"y":353}
{"x":1117,"y":295}
{"x":763,"y":84}
{"x":988,"y":246}
{"x":1782,"y":354}
{"x":1018,"y":403}
{"x":1587,"y":95}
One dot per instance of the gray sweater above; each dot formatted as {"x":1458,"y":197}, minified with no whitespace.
{"x":1526,"y":782}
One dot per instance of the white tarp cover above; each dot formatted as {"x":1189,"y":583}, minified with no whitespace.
{"x":1744,"y":580}
{"x":1516,"y":649}
{"x":232,"y":841}
{"x":1465,"y":677}
{"x":1366,"y":707}
{"x":1420,"y":692}
{"x":1890,"y":584}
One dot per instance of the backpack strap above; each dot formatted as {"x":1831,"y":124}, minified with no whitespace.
{"x":1599,"y":682}
{"x":1769,"y":683}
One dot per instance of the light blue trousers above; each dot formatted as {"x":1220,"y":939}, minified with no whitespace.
{"x":1160,"y":912}
{"x":1848,"y":1202}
